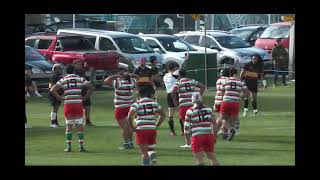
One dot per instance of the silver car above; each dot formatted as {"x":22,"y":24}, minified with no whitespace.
{"x":231,"y":49}
{"x":172,"y":48}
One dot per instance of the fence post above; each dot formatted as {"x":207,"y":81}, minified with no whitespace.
{"x":291,"y":63}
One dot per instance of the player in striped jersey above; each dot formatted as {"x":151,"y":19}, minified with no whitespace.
{"x":218,"y":97}
{"x":202,"y":126}
{"x":72,"y":86}
{"x":184,"y":88}
{"x":146,"y":110}
{"x":231,"y":91}
{"x":124,"y":85}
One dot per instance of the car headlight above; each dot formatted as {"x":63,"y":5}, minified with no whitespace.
{"x":36,"y":70}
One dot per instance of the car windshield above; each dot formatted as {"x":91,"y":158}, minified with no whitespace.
{"x":33,"y":55}
{"x":232,"y":42}
{"x":133,"y":45}
{"x":173,"y":44}
{"x":244,"y":34}
{"x":274,"y":32}
{"x":76,"y":43}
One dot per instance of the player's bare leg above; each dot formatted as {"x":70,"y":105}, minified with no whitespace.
{"x":79,"y":126}
{"x":54,"y":116}
{"x":29,"y":90}
{"x":187,"y":137}
{"x":152,"y":154}
{"x":69,"y":126}
{"x":170,"y":118}
{"x":199,"y":158}
{"x":237,"y":125}
{"x":36,"y":92}
{"x":144,"y":154}
{"x":130,"y":134}
{"x":124,"y":126}
{"x":224,"y":118}
{"x":182,"y":126}
{"x":246,"y":104}
{"x":231,"y":126}
{"x":87,"y":115}
{"x":212,"y":158}
{"x":26,"y":89}
{"x":254,"y":103}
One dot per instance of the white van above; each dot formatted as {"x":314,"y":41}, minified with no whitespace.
{"x":130,"y":47}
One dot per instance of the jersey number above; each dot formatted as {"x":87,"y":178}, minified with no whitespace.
{"x":72,"y":83}
{"x":147,"y":106}
{"x":201,"y":115}
{"x":233,"y":85}
{"x":188,"y":88}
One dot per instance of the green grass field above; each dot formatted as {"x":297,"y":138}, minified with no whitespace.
{"x":268,"y":139}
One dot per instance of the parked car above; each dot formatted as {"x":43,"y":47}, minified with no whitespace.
{"x":232,"y":50}
{"x":249,"y":33}
{"x":64,"y":49}
{"x":267,"y":39}
{"x":130,"y":47}
{"x":170,"y":47}
{"x":40,"y":68}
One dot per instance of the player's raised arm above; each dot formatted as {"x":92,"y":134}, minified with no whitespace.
{"x":109,"y":80}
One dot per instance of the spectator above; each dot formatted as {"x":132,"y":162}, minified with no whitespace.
{"x":25,"y":114}
{"x":280,"y":57}
{"x":31,"y":86}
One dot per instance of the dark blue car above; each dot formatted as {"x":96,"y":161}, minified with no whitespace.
{"x":41,"y":69}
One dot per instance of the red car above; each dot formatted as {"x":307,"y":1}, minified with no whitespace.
{"x":267,"y":39}
{"x":64,"y":49}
